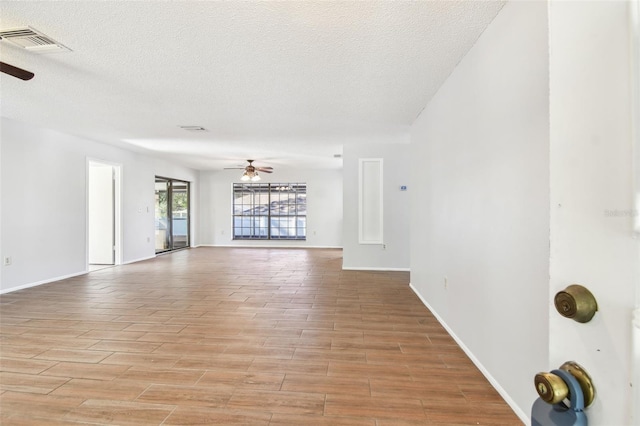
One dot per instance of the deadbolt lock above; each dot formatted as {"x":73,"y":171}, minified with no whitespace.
{"x":553,"y":389}
{"x":577,"y":303}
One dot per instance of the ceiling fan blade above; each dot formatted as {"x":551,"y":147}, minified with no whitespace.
{"x":251,"y":168}
{"x":15,"y":71}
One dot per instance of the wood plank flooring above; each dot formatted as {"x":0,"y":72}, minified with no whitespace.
{"x":235,"y":336}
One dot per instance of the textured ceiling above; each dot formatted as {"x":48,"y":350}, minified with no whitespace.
{"x":281,"y":82}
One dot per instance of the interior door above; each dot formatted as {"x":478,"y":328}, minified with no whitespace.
{"x":101,"y":214}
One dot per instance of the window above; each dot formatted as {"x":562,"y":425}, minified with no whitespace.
{"x":269,"y":211}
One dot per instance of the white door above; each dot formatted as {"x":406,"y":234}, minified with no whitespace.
{"x":592,"y":210}
{"x":101,"y":214}
{"x":635,"y":121}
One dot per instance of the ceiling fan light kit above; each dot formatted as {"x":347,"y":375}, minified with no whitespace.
{"x":253,"y":177}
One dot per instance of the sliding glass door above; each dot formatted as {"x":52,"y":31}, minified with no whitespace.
{"x":162,"y":215}
{"x":172,"y":214}
{"x":179,"y":214}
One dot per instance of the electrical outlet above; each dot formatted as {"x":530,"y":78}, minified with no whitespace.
{"x":7,"y":261}
{"x":446,"y":283}
{"x":384,"y":247}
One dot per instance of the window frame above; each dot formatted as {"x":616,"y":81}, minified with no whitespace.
{"x":265,"y":222}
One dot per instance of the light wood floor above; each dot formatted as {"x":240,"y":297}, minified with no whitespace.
{"x":235,"y":336}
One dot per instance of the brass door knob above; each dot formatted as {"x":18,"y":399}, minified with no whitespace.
{"x":577,"y":303}
{"x":551,"y":388}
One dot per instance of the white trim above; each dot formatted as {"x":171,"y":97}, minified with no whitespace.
{"x":367,"y":268}
{"x":362,"y":181}
{"x":503,"y":393}
{"x":634,"y":31}
{"x":635,"y":365}
{"x":139,"y":260}
{"x":64,"y":277}
{"x":266,"y":246}
{"x":47,"y":281}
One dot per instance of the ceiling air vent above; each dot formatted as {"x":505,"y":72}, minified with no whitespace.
{"x":32,"y":40}
{"x":193,"y":128}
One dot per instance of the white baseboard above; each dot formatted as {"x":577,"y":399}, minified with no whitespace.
{"x":37,"y":283}
{"x":63,"y":277}
{"x":139,"y":260}
{"x":267,"y":246}
{"x":372,"y":268}
{"x":503,"y":393}
{"x":635,"y":340}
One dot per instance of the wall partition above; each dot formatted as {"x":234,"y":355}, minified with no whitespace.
{"x":172,"y":214}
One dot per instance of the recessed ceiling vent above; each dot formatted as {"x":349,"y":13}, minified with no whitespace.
{"x":32,"y":40}
{"x":193,"y":128}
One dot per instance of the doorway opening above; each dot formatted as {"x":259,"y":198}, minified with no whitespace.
{"x":172,"y":212}
{"x":103,"y":215}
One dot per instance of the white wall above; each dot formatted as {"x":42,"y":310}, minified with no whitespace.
{"x":394,"y":254}
{"x":592,"y":195}
{"x":324,"y":207}
{"x":480,"y":202}
{"x":44,"y":202}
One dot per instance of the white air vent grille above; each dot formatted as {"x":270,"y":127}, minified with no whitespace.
{"x":31,"y":39}
{"x":193,"y":128}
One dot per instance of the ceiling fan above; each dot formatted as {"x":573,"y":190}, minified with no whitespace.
{"x":15,"y":71}
{"x":251,"y":171}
